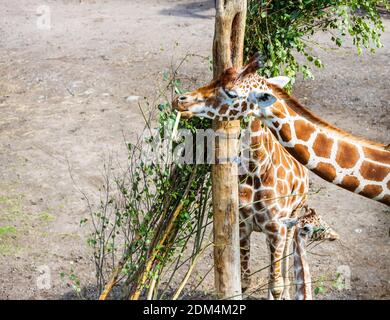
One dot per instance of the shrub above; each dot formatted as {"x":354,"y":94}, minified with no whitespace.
{"x":282,"y":29}
{"x":152,"y":213}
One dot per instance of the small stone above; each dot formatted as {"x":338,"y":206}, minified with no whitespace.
{"x":358,"y":230}
{"x":132,"y":98}
{"x":3,"y":98}
{"x":88,"y":92}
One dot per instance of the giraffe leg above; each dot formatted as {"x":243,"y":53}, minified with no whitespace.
{"x":245,"y":255}
{"x":286,"y":265}
{"x":246,"y":215}
{"x":276,"y":241}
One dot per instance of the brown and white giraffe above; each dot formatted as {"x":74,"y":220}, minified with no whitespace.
{"x":273,"y":186}
{"x":353,"y":163}
{"x":312,"y":227}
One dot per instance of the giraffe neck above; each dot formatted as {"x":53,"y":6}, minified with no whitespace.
{"x":260,"y":142}
{"x":264,"y":149}
{"x":349,"y":163}
{"x":301,"y":268}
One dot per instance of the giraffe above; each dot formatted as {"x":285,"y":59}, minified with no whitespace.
{"x":273,"y":187}
{"x":312,"y":227}
{"x":353,"y":163}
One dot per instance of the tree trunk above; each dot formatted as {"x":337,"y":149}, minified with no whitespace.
{"x":227,"y":52}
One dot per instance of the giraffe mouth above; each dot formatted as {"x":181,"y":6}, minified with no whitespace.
{"x":186,"y":114}
{"x":334,"y":237}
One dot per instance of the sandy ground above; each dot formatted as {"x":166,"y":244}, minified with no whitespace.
{"x":63,"y":108}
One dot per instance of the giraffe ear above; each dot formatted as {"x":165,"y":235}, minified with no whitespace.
{"x":280,"y":81}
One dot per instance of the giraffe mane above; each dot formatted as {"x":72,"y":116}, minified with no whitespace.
{"x":303,"y":111}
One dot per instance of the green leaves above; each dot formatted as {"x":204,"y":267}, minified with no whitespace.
{"x":339,"y":283}
{"x":319,"y":290}
{"x":320,"y":286}
{"x":132,"y":224}
{"x":318,"y":63}
{"x":281,"y":30}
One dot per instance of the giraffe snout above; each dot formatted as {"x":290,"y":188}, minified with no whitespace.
{"x":333,"y":235}
{"x":183,"y":103}
{"x":182,"y":98}
{"x":180,"y":103}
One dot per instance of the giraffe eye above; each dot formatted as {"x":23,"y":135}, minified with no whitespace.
{"x":265,"y":97}
{"x":307,"y":228}
{"x":231,"y":94}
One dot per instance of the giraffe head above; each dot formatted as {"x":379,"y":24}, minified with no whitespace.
{"x":317,"y":229}
{"x":312,"y":226}
{"x":233,"y":95}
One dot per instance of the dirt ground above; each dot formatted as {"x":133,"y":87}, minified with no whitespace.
{"x":63,"y":108}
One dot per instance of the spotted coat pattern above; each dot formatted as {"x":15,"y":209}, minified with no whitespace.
{"x":311,"y":227}
{"x":274,"y":185}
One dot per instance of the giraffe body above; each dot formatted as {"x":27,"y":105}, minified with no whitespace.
{"x":272,"y":188}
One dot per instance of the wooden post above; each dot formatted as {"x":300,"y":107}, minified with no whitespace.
{"x":227,"y":52}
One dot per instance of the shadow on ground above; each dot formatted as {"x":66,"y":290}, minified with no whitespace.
{"x":92,"y":293}
{"x":196,"y":9}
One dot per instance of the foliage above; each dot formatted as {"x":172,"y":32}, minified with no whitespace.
{"x":320,"y":287}
{"x":153,"y":212}
{"x":339,"y":282}
{"x":73,"y":281}
{"x":281,"y":29}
